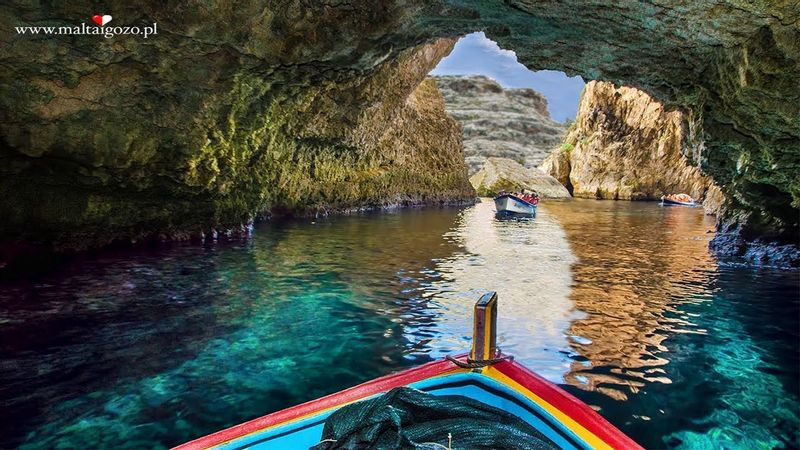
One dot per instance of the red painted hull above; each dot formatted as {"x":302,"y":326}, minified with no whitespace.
{"x":549,"y":392}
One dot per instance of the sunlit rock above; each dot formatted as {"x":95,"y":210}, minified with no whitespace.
{"x":503,"y":174}
{"x":498,"y":122}
{"x":625,"y":146}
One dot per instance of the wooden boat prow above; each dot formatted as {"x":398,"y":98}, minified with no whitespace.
{"x":484,"y":375}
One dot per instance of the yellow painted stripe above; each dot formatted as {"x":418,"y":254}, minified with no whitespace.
{"x":473,"y":351}
{"x":487,"y":331}
{"x":586,"y":435}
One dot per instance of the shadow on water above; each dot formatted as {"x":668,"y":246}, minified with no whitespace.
{"x":620,"y":302}
{"x":156,"y":347}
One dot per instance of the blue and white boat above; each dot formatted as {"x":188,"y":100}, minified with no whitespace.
{"x":516,"y":204}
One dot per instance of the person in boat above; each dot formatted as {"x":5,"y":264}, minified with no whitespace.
{"x":678,"y":198}
{"x":530,"y":197}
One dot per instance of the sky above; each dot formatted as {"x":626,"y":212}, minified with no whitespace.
{"x":475,"y":54}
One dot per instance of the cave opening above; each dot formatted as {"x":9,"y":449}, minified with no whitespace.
{"x":505,"y":109}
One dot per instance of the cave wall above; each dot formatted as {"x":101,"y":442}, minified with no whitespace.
{"x":234,"y":109}
{"x":624,"y":145}
{"x":205,"y":126}
{"x":731,"y":66}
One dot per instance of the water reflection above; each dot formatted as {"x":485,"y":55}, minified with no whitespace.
{"x":528,"y":263}
{"x":632,"y":277}
{"x":619,"y":301}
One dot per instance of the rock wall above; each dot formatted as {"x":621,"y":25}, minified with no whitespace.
{"x":233,"y":109}
{"x":625,"y":146}
{"x":497,"y":122}
{"x":120,"y":150}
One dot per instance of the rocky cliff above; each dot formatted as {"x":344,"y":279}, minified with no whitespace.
{"x":234,"y":109}
{"x":116,"y":152}
{"x":625,"y":146}
{"x":497,"y":122}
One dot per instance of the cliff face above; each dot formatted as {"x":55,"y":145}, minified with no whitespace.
{"x":117,"y":152}
{"x":625,"y":146}
{"x":232,"y":110}
{"x":497,"y":122}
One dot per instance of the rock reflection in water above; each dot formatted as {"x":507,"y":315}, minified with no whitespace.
{"x":631,"y":276}
{"x":619,"y":301}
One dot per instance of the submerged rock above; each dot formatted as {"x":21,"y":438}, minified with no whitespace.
{"x":503,"y":174}
{"x":498,"y":122}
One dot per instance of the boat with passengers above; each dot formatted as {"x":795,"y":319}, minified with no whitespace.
{"x":517,"y":203}
{"x":678,"y":199}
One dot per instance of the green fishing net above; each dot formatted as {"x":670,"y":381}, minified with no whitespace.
{"x":406,"y":418}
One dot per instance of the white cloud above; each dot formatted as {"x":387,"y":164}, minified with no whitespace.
{"x":475,"y":54}
{"x":480,"y":40}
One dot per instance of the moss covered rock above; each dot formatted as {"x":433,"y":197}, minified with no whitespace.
{"x":232,"y":110}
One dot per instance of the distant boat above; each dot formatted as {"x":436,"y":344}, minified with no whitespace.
{"x":678,"y":199}
{"x":514,"y":203}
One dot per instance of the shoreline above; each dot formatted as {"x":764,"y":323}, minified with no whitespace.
{"x":20,"y":260}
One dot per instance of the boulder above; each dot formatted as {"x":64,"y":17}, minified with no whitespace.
{"x":503,"y":174}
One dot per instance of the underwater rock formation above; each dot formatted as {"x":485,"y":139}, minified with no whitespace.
{"x":498,"y":122}
{"x":230,"y":111}
{"x":503,"y":174}
{"x":625,"y":146}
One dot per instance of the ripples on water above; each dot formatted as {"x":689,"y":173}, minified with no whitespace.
{"x":620,"y":302}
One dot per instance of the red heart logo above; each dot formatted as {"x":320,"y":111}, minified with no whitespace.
{"x":101,"y":20}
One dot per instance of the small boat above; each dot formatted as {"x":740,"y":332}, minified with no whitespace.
{"x":678,"y":199}
{"x":515,"y":203}
{"x":485,"y":375}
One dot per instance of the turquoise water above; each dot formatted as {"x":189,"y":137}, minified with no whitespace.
{"x":619,"y":302}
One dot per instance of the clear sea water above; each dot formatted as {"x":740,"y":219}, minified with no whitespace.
{"x":619,"y":302}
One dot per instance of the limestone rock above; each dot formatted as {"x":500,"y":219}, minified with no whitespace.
{"x":498,"y":122}
{"x":625,"y":146}
{"x":503,"y":174}
{"x":229,"y":112}
{"x":121,"y":165}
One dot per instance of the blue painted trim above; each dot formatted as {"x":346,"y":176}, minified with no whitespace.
{"x":307,"y":432}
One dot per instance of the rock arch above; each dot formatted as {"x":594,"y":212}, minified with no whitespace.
{"x":234,"y":110}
